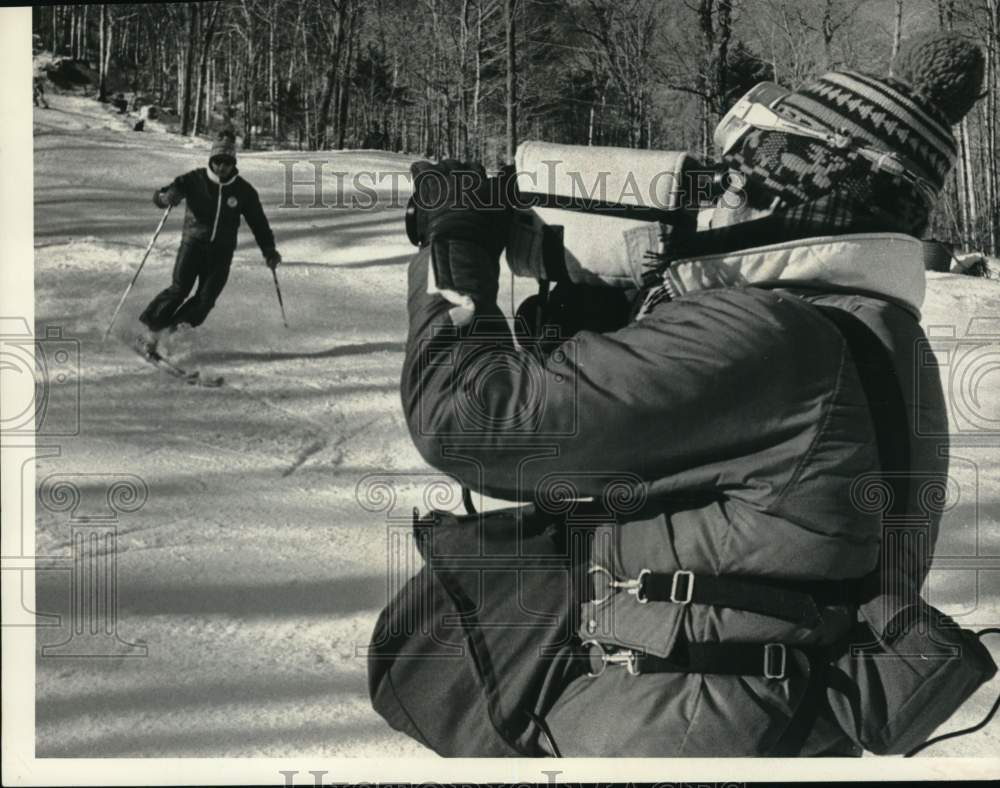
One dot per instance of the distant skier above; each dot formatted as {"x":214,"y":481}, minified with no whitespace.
{"x":38,"y":93}
{"x":216,"y":198}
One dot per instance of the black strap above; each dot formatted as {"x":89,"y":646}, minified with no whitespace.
{"x":884,"y":393}
{"x":771,"y":660}
{"x":788,"y":600}
{"x":803,"y":719}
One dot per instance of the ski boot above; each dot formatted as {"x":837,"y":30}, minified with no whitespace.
{"x":146,"y":343}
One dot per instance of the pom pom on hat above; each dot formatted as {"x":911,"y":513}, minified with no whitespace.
{"x":943,"y":69}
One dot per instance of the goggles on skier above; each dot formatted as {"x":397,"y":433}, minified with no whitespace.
{"x":756,"y":111}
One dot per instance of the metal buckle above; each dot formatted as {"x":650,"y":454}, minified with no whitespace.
{"x":637,"y":590}
{"x":772,"y":652}
{"x":624,"y":657}
{"x":689,"y":587}
{"x":633,"y":587}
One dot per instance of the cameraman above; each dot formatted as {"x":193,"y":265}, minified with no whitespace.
{"x":741,"y":408}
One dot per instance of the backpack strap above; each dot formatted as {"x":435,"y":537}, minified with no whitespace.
{"x":887,"y":408}
{"x":884,"y":393}
{"x":798,"y":601}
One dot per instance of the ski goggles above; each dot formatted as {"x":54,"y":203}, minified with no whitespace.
{"x":756,"y":111}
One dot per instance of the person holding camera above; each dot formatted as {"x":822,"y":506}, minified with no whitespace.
{"x":217,"y":197}
{"x":759,"y":405}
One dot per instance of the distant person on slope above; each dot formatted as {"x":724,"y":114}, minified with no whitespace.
{"x":38,"y":93}
{"x":216,"y":198}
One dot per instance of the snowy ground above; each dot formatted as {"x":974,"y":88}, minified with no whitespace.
{"x":256,"y":568}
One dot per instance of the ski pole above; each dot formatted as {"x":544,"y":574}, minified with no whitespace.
{"x":149,"y":248}
{"x":281,"y":303}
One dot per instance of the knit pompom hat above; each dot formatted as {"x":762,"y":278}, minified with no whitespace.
{"x":224,"y":147}
{"x":937,"y":80}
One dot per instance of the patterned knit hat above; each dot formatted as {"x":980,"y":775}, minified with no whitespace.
{"x":938,"y":77}
{"x":224,"y":147}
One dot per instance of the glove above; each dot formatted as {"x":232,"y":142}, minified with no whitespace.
{"x":272,"y":260}
{"x":463,"y":220}
{"x":169,"y":196}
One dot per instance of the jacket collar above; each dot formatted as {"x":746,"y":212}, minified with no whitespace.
{"x":890,"y":265}
{"x":215,"y":178}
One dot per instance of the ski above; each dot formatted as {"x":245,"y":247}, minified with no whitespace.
{"x":191,"y":377}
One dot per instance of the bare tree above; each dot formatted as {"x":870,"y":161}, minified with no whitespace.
{"x":204,"y":55}
{"x":897,"y":33}
{"x":509,"y":17}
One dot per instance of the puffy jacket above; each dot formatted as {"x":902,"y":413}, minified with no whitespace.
{"x":214,"y":209}
{"x":730,"y":434}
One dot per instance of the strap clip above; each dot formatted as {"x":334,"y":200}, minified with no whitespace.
{"x":634,"y":586}
{"x":625,"y":657}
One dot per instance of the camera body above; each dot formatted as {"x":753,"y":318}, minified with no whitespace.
{"x":594,"y":215}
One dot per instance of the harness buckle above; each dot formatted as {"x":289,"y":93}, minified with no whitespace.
{"x":634,"y":586}
{"x":624,"y":657}
{"x":638,"y":590}
{"x":688,"y":590}
{"x":775,"y":660}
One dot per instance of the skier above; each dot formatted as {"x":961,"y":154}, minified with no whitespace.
{"x":216,"y":199}
{"x":733,"y":432}
{"x":38,"y":93}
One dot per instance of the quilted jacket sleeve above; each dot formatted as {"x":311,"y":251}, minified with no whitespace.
{"x":697,"y":384}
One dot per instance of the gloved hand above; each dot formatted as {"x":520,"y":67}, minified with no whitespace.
{"x":272,"y":260}
{"x":461,"y":216}
{"x":168,"y":196}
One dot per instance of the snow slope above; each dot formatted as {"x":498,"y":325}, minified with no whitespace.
{"x":255,"y":570}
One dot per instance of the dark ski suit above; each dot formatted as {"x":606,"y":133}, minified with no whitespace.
{"x":211,"y":222}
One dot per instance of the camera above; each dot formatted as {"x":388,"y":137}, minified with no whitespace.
{"x":52,"y":365}
{"x":594,"y":215}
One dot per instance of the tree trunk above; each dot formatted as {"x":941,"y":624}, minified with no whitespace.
{"x":204,"y":54}
{"x":330,"y":80}
{"x":271,"y":95}
{"x":897,"y":32}
{"x":992,"y":119}
{"x":477,"y":88}
{"x":509,"y":25}
{"x":248,"y":100}
{"x":971,"y":239}
{"x":193,"y":24}
{"x":345,"y":82}
{"x":105,"y":45}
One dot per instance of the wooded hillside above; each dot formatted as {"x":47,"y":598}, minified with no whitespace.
{"x":470,"y":78}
